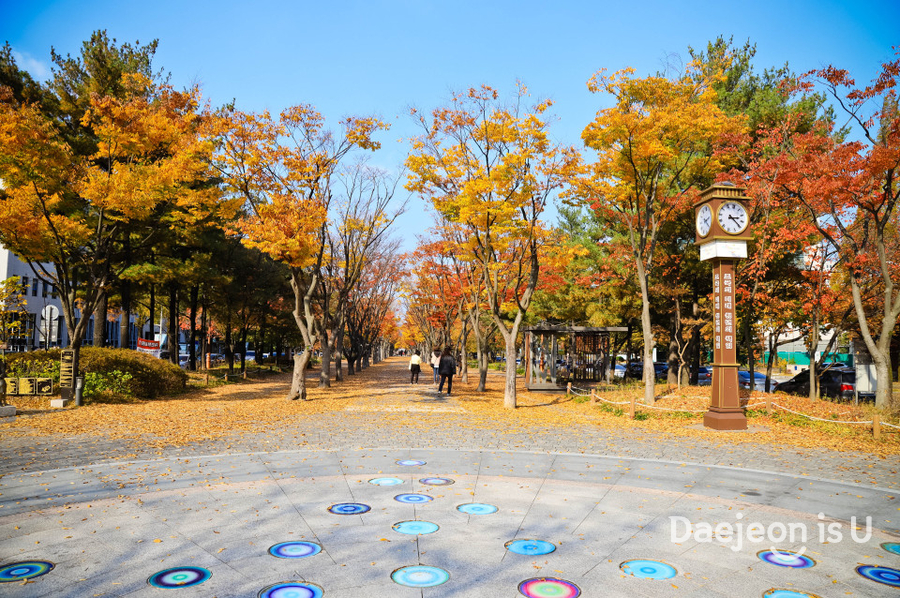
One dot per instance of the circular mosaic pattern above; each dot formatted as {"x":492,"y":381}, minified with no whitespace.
{"x":420,"y":576}
{"x":547,"y":587}
{"x":777,"y":593}
{"x":416,"y":528}
{"x":24,"y":570}
{"x":892,"y":547}
{"x":530,"y":547}
{"x":413,"y":499}
{"x":786,"y":558}
{"x":386,"y":481}
{"x":179,"y":577}
{"x":645,"y":569}
{"x":295,"y":550}
{"x":410,"y":462}
{"x":436,"y":481}
{"x":349,"y":508}
{"x":476,"y":508}
{"x":292,"y":589}
{"x":886,"y":575}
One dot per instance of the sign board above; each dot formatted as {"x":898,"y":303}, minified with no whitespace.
{"x":49,"y":328}
{"x":43,"y":386}
{"x":26,"y":386}
{"x":12,"y":386}
{"x":147,"y":346}
{"x":67,"y":369}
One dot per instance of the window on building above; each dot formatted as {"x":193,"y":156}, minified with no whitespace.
{"x":34,"y":287}
{"x":25,"y":285}
{"x":45,"y":289}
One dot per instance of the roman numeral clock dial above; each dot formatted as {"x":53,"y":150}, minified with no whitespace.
{"x":732,"y":217}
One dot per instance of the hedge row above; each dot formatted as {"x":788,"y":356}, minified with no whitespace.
{"x":134,"y":374}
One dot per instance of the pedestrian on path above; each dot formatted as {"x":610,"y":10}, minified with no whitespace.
{"x":446,"y":368}
{"x":435,"y":363}
{"x":415,"y":366}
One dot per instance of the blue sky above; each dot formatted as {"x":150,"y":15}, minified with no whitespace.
{"x":357,"y":57}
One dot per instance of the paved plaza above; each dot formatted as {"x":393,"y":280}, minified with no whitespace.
{"x":395,"y":496}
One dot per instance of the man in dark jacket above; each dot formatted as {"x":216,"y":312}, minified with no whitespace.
{"x":446,"y":369}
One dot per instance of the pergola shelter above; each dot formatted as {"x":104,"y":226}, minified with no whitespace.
{"x":556,"y":355}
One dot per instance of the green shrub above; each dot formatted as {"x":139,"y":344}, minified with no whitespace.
{"x":120,"y":372}
{"x":107,"y":387}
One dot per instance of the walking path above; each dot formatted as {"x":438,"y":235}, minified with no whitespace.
{"x":403,"y":492}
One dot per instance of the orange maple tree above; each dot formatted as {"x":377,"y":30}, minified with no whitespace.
{"x":849,"y":191}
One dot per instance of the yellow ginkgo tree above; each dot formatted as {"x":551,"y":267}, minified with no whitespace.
{"x":660,"y":139}
{"x":66,"y":213}
{"x":285,"y":170}
{"x":491,"y":167}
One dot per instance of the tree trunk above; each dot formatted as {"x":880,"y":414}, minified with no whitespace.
{"x":173,"y":324}
{"x":647,"y":330}
{"x":325,"y":372}
{"x":673,"y":376}
{"x":192,"y":349}
{"x":125,"y":330}
{"x":100,"y":320}
{"x":813,"y":342}
{"x":880,"y":351}
{"x":695,"y":343}
{"x":152,"y":334}
{"x":482,"y":364}
{"x":749,"y":347}
{"x":339,"y":354}
{"x":509,"y":389}
{"x":204,"y":339}
{"x":229,"y":347}
{"x":464,"y":359}
{"x":298,"y":379}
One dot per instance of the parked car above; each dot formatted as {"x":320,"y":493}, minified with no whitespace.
{"x":760,"y":386}
{"x":619,"y":371}
{"x":661,"y":368}
{"x":636,"y":369}
{"x":704,"y":376}
{"x":835,"y":382}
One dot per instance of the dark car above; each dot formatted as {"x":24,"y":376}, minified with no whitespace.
{"x":836,"y":382}
{"x":744,"y":381}
{"x":661,"y":368}
{"x":704,"y":376}
{"x":636,"y":369}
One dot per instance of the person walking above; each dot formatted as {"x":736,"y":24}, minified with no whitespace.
{"x":446,"y":368}
{"x":415,"y":366}
{"x":435,"y":363}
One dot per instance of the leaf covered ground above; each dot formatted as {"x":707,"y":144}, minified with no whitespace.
{"x":255,"y":406}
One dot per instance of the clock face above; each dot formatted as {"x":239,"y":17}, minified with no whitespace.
{"x":733,"y":217}
{"x":704,"y":220}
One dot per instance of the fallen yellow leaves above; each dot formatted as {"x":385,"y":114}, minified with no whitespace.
{"x":224,"y":412}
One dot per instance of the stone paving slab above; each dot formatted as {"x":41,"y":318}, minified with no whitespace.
{"x":108,"y":522}
{"x":595,"y":520}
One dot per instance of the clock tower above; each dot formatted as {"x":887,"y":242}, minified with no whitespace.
{"x":722,"y":221}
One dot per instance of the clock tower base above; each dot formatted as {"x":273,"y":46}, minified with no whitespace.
{"x":725,"y":418}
